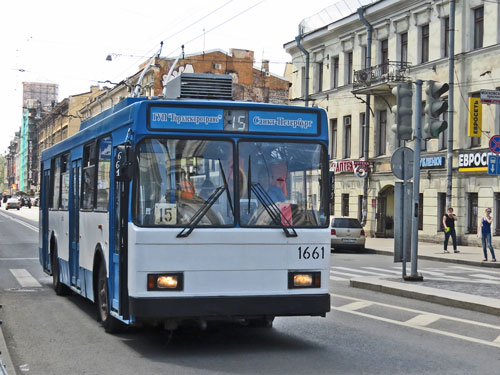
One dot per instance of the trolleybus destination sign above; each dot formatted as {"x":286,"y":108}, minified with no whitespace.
{"x":233,"y":120}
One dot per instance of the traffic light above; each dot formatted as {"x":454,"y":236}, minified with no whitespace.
{"x":434,"y":107}
{"x":403,"y":111}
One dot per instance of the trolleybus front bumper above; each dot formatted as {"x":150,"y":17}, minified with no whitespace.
{"x":230,"y":306}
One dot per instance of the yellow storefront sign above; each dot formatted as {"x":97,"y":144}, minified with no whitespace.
{"x":475,"y":117}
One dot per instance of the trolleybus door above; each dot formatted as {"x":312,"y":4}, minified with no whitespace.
{"x":119,"y":263}
{"x":74,"y":224}
{"x":44,"y":220}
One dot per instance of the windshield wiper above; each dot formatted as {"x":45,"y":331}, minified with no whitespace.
{"x":273,"y":210}
{"x":196,"y":218}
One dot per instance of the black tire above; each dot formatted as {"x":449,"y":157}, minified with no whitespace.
{"x":60,"y":288}
{"x":110,"y":323}
{"x":18,"y":208}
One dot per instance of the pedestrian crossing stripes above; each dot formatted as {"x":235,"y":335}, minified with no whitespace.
{"x":25,"y":279}
{"x":451,"y":273}
{"x":422,"y":320}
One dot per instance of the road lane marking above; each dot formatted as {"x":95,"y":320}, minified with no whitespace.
{"x":473,"y":322}
{"x":495,"y":343}
{"x":32,"y":227}
{"x":346,"y":274}
{"x":360,"y":271}
{"x":481,"y":276}
{"x":19,"y":258}
{"x":358,"y":305}
{"x":24,"y":278}
{"x":335,"y":278}
{"x":383,"y":270}
{"x":475,"y":270}
{"x":423,"y":320}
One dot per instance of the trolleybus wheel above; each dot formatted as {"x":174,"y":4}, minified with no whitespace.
{"x":110,"y":323}
{"x":60,"y":288}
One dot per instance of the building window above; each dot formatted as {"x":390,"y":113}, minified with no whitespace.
{"x":362,"y":124}
{"x":335,"y":72}
{"x":348,"y":66}
{"x":333,"y":133}
{"x":381,"y":132}
{"x":404,"y":48}
{"x":360,"y":207}
{"x":319,"y":77}
{"x":441,"y":211}
{"x":478,"y":27}
{"x":424,"y":45}
{"x":421,"y":211}
{"x":472,"y":210}
{"x":364,"y":57}
{"x":347,"y":137}
{"x":345,"y":205}
{"x":384,"y":55}
{"x":446,"y":36}
{"x":475,"y":141}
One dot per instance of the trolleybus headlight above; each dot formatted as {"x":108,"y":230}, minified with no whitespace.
{"x":304,"y":280}
{"x":165,"y":281}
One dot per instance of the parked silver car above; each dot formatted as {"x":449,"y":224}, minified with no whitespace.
{"x":347,"y":233}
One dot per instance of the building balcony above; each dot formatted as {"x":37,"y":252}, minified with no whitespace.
{"x":380,"y":79}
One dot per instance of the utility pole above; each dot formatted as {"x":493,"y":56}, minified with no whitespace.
{"x":451,"y":70}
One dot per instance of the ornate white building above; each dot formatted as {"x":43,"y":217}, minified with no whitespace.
{"x":410,"y":40}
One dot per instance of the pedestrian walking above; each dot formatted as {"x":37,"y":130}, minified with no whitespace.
{"x":485,"y":231}
{"x":449,"y":230}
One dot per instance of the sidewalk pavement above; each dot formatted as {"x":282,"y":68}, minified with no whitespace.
{"x":476,"y":295}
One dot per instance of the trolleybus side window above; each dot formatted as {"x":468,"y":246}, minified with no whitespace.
{"x":179,"y":177}
{"x":55,"y":182}
{"x":103,"y":174}
{"x":64,"y":182}
{"x":88,"y":178}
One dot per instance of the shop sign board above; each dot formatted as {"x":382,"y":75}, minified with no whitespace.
{"x":475,"y":117}
{"x":490,"y":96}
{"x":432,"y":162}
{"x":340,"y":166}
{"x":473,"y":161}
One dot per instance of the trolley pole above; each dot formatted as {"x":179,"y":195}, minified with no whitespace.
{"x":416,"y":183}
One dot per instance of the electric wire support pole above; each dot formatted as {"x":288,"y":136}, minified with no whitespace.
{"x":414,"y":276}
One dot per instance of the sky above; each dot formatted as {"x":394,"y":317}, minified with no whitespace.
{"x":66,"y":42}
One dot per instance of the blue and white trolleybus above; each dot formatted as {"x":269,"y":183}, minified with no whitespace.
{"x":165,"y":211}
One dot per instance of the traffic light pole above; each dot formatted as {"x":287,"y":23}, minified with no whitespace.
{"x":416,"y":182}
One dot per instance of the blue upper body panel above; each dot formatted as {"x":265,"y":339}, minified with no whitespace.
{"x":153,"y":116}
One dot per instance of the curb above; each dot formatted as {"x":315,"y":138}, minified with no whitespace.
{"x":433,"y":295}
{"x":445,"y":260}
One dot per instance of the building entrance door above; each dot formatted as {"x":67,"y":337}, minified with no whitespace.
{"x":385,"y":213}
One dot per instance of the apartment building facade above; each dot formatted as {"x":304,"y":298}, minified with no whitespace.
{"x":410,"y":41}
{"x":249,"y":83}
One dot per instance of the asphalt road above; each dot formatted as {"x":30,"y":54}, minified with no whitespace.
{"x":366,"y":332}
